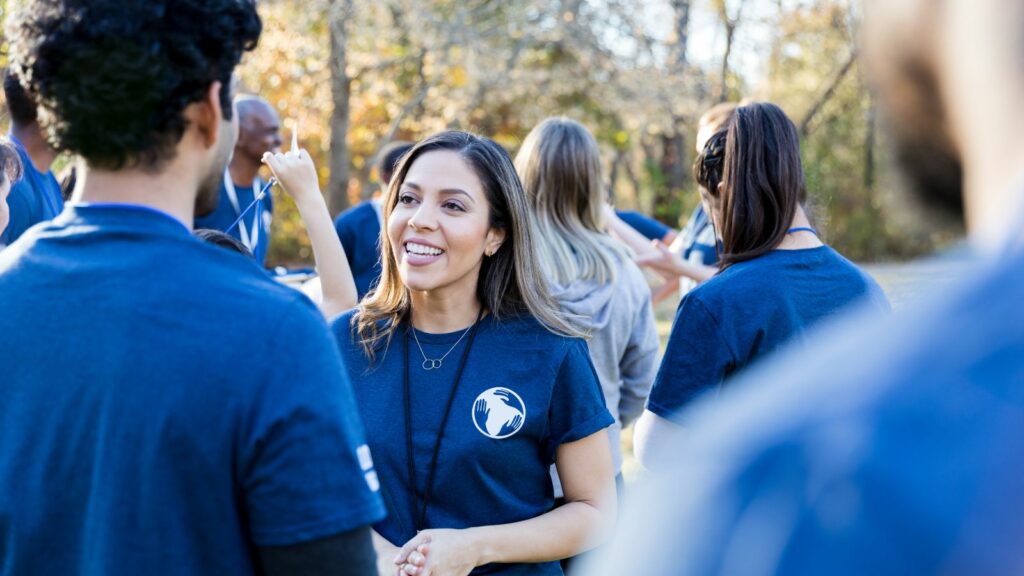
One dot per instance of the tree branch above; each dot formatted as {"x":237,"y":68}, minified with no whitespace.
{"x":829,"y":92}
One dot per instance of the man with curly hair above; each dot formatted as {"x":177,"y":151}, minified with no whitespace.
{"x":132,"y":443}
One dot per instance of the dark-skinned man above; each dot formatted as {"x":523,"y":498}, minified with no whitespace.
{"x":259,"y":131}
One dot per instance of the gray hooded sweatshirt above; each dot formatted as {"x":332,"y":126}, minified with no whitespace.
{"x":623,"y":342}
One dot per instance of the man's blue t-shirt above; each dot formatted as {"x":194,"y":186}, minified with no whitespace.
{"x":748,"y":310}
{"x":359,"y":231}
{"x":259,"y":215}
{"x":33,"y":199}
{"x":524,"y":392}
{"x":165,"y":406}
{"x":645,"y":225}
{"x":700,"y":245}
{"x":888,"y":446}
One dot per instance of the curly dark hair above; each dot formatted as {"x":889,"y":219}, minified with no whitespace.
{"x":21,"y":107}
{"x":113,"y":77}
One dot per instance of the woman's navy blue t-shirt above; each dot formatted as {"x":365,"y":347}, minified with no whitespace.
{"x":748,"y":310}
{"x":524,"y":392}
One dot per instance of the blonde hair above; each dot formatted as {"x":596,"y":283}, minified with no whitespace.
{"x":560,"y":166}
{"x":510,"y":281}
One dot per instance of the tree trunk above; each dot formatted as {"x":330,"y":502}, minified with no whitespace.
{"x":730,"y":23}
{"x":613,"y":175}
{"x":805,"y":124}
{"x":723,"y":86}
{"x":681,"y":10}
{"x":341,"y":89}
{"x":869,"y":151}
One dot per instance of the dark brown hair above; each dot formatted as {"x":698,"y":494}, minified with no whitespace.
{"x":762,"y":182}
{"x":510,"y":282}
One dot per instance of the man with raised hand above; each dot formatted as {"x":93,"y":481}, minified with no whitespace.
{"x":132,"y":443}
{"x":897,"y":445}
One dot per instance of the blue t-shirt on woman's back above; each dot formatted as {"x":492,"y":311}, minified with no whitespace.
{"x":524,"y":392}
{"x":748,"y":310}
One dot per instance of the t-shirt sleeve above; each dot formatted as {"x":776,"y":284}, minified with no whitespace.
{"x":577,"y":402}
{"x":307,"y":471}
{"x":20,"y":216}
{"x":696,"y":360}
{"x":645,"y":225}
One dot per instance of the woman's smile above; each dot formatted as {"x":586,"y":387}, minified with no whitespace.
{"x":421,"y":253}
{"x":439,"y":227}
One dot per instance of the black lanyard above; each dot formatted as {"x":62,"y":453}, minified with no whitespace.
{"x":420,"y":516}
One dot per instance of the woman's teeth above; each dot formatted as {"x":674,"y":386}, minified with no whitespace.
{"x":422,"y":250}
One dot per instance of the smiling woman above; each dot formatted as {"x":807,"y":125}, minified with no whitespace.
{"x":470,"y":381}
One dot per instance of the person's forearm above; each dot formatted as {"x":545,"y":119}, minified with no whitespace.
{"x":336,"y":283}
{"x":627,"y":234}
{"x":696,"y":272}
{"x":561,"y":533}
{"x":651,"y":436}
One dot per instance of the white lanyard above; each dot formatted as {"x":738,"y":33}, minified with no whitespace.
{"x":249,"y":238}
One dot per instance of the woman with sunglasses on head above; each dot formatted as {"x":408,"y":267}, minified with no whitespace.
{"x":776,"y":277}
{"x":470,"y":381}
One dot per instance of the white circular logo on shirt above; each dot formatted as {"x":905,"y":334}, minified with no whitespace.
{"x":499,"y":413}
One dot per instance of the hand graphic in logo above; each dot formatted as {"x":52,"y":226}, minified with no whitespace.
{"x":499,"y":413}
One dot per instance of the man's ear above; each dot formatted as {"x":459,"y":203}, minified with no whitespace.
{"x":206,"y":115}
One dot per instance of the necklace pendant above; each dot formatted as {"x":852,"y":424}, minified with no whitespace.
{"x":431,"y":363}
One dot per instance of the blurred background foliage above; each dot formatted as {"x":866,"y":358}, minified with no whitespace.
{"x":356,"y":75}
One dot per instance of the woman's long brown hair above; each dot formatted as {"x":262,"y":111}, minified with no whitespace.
{"x":762,"y":181}
{"x":510,"y":281}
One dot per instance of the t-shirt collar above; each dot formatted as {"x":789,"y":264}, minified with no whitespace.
{"x":115,"y":213}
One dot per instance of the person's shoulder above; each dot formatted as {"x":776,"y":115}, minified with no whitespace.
{"x":856,"y":278}
{"x":343,"y":324}
{"x":21,"y":198}
{"x":236,"y":282}
{"x":729,"y":283}
{"x":807,"y":387}
{"x":356,"y":214}
{"x":630,"y":281}
{"x":523,"y":330}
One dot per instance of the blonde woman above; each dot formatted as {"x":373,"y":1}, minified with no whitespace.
{"x":469,"y":380}
{"x":594,"y":276}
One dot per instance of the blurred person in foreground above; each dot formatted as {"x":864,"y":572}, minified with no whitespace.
{"x":893,"y":446}
{"x":131,"y":444}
